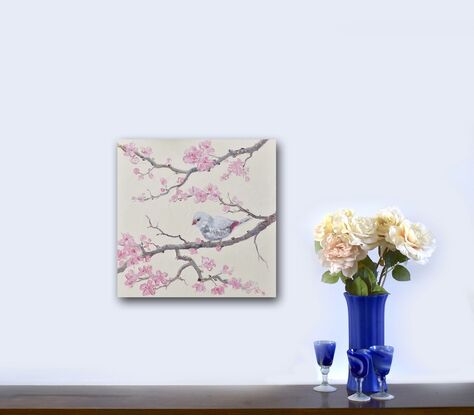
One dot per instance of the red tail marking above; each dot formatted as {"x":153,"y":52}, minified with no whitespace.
{"x":234,"y":224}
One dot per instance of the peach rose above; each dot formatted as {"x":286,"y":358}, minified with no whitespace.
{"x":339,"y":255}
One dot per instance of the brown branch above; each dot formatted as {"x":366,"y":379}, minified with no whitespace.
{"x":153,"y":163}
{"x":231,"y":153}
{"x":189,"y":263}
{"x":262,"y":225}
{"x":213,"y":278}
{"x":161,"y":232}
{"x":260,"y":257}
{"x":239,"y":208}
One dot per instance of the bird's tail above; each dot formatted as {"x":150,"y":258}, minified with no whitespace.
{"x":239,"y":222}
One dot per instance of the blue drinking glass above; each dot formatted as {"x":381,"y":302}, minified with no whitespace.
{"x":324,"y":350}
{"x":382,"y":360}
{"x":359,"y":363}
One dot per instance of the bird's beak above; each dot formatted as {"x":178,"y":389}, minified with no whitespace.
{"x":194,"y":222}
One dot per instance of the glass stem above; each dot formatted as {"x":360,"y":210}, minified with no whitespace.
{"x":359,"y":386}
{"x":325,"y":371}
{"x":381,"y":389}
{"x":384,"y":385}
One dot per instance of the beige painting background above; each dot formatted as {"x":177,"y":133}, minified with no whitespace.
{"x":258,"y":195}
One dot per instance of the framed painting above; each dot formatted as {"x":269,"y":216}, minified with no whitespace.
{"x":196,"y":218}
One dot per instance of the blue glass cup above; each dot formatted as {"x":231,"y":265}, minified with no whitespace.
{"x":382,"y":361}
{"x":359,"y":364}
{"x":324,"y":350}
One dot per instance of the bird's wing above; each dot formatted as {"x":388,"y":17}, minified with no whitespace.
{"x":220,"y":222}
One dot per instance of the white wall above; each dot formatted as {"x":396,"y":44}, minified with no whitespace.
{"x":372,"y":104}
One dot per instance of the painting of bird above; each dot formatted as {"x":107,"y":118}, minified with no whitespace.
{"x":215,"y":228}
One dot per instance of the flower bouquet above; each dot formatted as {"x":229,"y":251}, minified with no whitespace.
{"x":343,"y":241}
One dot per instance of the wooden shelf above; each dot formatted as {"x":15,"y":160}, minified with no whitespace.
{"x":230,"y":400}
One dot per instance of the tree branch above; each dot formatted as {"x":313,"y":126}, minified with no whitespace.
{"x":231,"y":153}
{"x":239,"y":208}
{"x":161,"y":232}
{"x":262,"y":225}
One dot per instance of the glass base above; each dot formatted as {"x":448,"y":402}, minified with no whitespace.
{"x":382,"y":396}
{"x":325,"y":388}
{"x":359,"y":397}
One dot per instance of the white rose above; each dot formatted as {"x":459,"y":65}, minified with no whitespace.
{"x":363,"y":231}
{"x":339,"y":255}
{"x":334,"y":223}
{"x":386,"y":218}
{"x":412,"y":240}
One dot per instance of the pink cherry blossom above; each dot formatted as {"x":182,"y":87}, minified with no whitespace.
{"x":219,"y":290}
{"x":226,"y":270}
{"x":226,"y":208}
{"x":136,"y":170}
{"x":200,"y":156}
{"x":193,"y":251}
{"x":235,"y":283}
{"x":160,"y":278}
{"x":163,"y":181}
{"x":148,"y":288}
{"x":199,"y":287}
{"x":200,"y":196}
{"x":144,"y":270}
{"x":146,"y":151}
{"x":130,"y":149}
{"x":205,"y":164}
{"x":236,"y":167}
{"x":218,"y":248}
{"x":131,"y":278}
{"x":126,"y":240}
{"x":212,"y":192}
{"x":179,"y":195}
{"x":208,"y":263}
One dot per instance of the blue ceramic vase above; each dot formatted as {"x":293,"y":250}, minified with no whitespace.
{"x":366,"y":328}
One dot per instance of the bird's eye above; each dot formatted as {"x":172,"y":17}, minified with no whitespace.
{"x":198,"y":219}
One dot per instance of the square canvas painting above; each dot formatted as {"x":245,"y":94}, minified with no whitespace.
{"x":196,"y":218}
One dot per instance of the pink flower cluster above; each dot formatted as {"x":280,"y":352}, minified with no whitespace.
{"x":208,"y":263}
{"x":236,"y":167}
{"x":129,"y":251}
{"x":131,"y":152}
{"x":200,"y":156}
{"x":151,"y":279}
{"x":210,"y":192}
{"x":250,"y":287}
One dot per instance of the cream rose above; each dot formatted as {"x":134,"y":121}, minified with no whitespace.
{"x":385,"y":218}
{"x":334,"y":223}
{"x":412,"y":240}
{"x":363,"y":231}
{"x":339,"y":255}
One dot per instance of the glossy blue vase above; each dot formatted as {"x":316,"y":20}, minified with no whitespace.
{"x":366,"y":328}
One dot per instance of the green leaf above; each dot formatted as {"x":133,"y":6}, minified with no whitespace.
{"x":400,"y":273}
{"x":378,"y":290}
{"x":368,"y":263}
{"x":369,"y":278}
{"x":343,"y":278}
{"x":357,"y":286}
{"x":393,"y":258}
{"x":329,"y":278}
{"x":317,"y":246}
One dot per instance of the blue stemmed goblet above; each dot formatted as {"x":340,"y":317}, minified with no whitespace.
{"x":324,"y":350}
{"x":359,"y":363}
{"x":382,"y":361}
